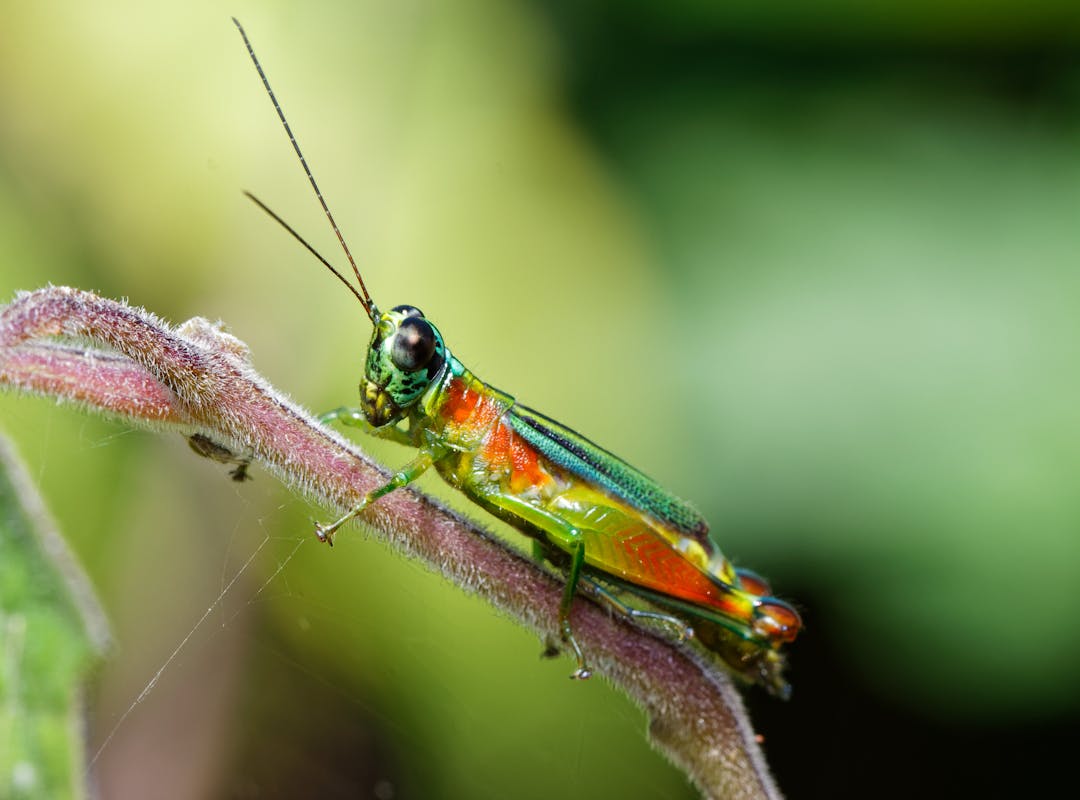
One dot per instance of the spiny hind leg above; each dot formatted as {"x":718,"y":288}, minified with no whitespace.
{"x":679,"y":629}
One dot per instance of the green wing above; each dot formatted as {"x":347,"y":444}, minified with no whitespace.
{"x":577,"y":455}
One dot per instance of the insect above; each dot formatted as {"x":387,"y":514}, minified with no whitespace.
{"x":615,"y":532}
{"x":208,"y":448}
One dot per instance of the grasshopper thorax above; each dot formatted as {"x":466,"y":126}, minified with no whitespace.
{"x":405,"y":357}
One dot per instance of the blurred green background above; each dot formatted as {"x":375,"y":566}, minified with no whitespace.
{"x":815,"y":268}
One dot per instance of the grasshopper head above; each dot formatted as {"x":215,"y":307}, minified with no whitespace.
{"x":405,"y":357}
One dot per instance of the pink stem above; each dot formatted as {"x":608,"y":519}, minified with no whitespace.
{"x":198,"y":379}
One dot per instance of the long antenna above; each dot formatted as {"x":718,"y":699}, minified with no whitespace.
{"x":310,"y":249}
{"x":365,"y":300}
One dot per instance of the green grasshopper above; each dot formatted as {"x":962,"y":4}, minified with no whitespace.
{"x":613,"y":530}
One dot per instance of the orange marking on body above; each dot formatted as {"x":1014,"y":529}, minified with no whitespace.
{"x":467,"y":408}
{"x":461,"y":402}
{"x":505,"y":449}
{"x":659,"y":567}
{"x":527,"y":469}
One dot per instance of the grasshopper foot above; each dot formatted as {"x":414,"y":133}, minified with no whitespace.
{"x":684,"y":633}
{"x":325,"y":533}
{"x":582,"y":672}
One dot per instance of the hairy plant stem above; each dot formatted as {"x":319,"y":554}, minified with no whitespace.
{"x":197,"y":380}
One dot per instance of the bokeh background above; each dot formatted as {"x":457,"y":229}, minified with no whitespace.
{"x":814,"y":266}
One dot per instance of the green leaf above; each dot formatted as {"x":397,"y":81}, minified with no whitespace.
{"x":51,"y":632}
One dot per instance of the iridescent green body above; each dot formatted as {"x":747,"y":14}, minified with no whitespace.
{"x":601,"y":519}
{"x":610,"y":527}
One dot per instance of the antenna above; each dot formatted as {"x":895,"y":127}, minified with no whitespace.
{"x":364,"y":298}
{"x":310,"y":249}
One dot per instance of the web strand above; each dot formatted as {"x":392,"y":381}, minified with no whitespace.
{"x":149,"y":687}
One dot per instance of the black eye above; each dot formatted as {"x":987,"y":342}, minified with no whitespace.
{"x":408,"y":311}
{"x":414,"y":344}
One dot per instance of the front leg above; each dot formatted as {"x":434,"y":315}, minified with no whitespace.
{"x":354,"y":418}
{"x":403,"y":477}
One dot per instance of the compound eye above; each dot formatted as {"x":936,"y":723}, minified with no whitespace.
{"x":414,"y":344}
{"x":408,"y":311}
